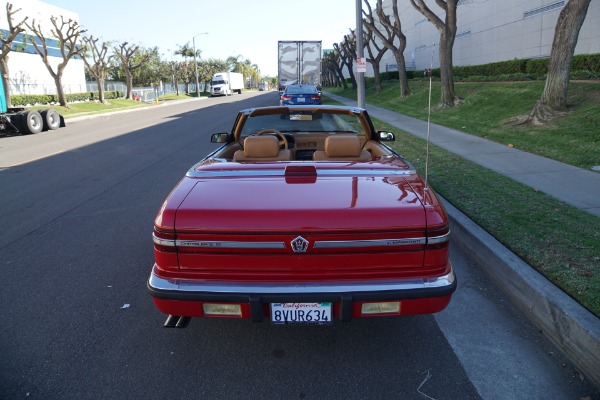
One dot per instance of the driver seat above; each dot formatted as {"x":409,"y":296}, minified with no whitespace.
{"x":262,"y":148}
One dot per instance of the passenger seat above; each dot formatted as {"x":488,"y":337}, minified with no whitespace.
{"x":342,"y":148}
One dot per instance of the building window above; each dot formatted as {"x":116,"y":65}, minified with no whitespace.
{"x":544,"y":9}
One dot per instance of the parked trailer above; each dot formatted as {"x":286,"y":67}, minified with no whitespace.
{"x":21,"y":120}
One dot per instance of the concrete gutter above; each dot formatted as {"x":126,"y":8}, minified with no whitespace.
{"x":571,"y":327}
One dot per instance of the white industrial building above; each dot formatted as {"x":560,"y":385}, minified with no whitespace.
{"x":489,"y":31}
{"x":27,"y":72}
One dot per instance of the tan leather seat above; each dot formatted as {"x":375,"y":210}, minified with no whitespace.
{"x":262,"y":148}
{"x":342,"y":148}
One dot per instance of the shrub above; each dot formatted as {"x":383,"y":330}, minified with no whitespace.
{"x":584,"y":75}
{"x":537,"y":66}
{"x":589,"y":62}
{"x":22,"y":100}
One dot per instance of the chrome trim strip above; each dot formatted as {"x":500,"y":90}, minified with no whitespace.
{"x":191,"y":286}
{"x":439,"y":239}
{"x":320,"y":172}
{"x":329,"y":244}
{"x":229,"y":245}
{"x":163,"y":242}
{"x":320,"y":244}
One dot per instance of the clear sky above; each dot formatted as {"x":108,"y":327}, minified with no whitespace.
{"x":250,"y":28}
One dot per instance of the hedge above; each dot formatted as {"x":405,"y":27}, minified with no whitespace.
{"x":585,"y":66}
{"x":48,"y":99}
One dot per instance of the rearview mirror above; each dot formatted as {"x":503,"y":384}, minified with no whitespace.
{"x":219,"y":138}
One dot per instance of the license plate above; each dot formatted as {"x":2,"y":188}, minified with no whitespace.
{"x":301,"y":99}
{"x":301,"y":313}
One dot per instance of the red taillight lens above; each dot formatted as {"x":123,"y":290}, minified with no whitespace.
{"x":164,"y":241}
{"x":286,"y":97}
{"x":438,"y":238}
{"x":315,"y":97}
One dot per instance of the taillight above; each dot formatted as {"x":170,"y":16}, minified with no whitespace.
{"x":438,"y":238}
{"x":315,"y":97}
{"x":164,"y":241}
{"x":286,"y":97}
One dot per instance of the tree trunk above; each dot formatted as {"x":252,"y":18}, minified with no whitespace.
{"x":449,"y":97}
{"x":62,"y":98}
{"x":341,"y":76}
{"x":351,"y":74}
{"x":377,"y":78}
{"x":403,"y":80}
{"x":553,"y":102}
{"x":129,"y":83}
{"x":5,"y":80}
{"x":100,"y":82}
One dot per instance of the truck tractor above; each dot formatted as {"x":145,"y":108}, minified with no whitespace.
{"x":23,"y":121}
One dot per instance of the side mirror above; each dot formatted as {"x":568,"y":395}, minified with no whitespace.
{"x":219,"y":138}
{"x":386,"y":136}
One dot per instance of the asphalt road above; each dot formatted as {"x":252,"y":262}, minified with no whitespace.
{"x":76,"y":321}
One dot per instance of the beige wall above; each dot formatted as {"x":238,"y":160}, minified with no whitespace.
{"x":490,"y":31}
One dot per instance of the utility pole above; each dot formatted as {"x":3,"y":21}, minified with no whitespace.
{"x":360,"y":51}
{"x":196,"y":63}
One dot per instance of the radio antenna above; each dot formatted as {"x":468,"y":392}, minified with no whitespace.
{"x":430,"y":73}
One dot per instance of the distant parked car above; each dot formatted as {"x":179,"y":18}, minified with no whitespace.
{"x":300,"y":95}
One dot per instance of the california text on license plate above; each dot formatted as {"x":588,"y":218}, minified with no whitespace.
{"x":301,"y":313}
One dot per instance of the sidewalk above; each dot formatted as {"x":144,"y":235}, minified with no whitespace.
{"x":571,"y":327}
{"x":572,"y":185}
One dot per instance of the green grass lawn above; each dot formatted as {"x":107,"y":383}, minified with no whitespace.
{"x":574,"y":140}
{"x":558,"y":240}
{"x":92,"y":107}
{"x":86,"y":108}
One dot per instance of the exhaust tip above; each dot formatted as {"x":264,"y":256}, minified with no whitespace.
{"x":176,"y":321}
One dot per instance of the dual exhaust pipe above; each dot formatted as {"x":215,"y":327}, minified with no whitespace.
{"x":175,"y":321}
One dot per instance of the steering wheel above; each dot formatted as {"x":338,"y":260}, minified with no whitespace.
{"x":283,"y":140}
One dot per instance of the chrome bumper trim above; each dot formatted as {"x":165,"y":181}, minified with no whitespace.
{"x":180,"y":286}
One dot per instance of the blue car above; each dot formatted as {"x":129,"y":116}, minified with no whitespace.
{"x":300,"y":95}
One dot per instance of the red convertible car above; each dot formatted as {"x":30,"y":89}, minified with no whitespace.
{"x":303,"y":215}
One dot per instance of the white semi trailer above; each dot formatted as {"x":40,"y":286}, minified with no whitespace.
{"x":226,"y":83}
{"x":299,"y":62}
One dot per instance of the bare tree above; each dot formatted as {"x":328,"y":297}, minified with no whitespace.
{"x":553,"y":102}
{"x":7,"y":42}
{"x":98,"y":68}
{"x":67,"y":33}
{"x":347,"y":52}
{"x":127,"y":53}
{"x":388,"y":36}
{"x":331,"y":62}
{"x":447,"y":30}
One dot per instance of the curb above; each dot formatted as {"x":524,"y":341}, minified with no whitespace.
{"x":571,"y":327}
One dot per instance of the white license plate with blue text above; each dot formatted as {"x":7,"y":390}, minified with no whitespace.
{"x":301,"y":313}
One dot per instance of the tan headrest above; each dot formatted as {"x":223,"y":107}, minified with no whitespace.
{"x":342,"y":146}
{"x":261,"y":146}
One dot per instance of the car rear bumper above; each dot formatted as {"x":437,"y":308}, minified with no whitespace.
{"x":418,"y":296}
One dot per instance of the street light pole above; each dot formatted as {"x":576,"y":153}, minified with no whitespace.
{"x":196,"y":63}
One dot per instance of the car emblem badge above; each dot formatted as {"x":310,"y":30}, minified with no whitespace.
{"x":299,"y":245}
